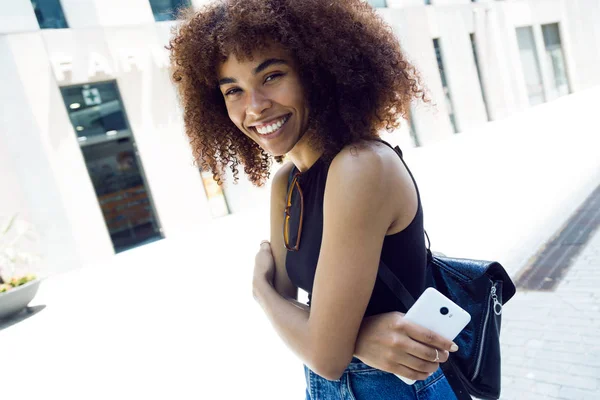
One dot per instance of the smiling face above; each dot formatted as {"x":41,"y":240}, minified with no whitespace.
{"x":265,"y":99}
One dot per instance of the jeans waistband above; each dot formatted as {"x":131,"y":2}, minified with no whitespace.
{"x":358,"y":365}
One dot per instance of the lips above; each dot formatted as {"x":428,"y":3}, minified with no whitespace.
{"x":271,"y":127}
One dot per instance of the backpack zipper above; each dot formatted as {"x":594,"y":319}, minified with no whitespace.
{"x":493,"y":297}
{"x":497,"y":304}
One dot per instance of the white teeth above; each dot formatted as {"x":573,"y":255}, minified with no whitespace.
{"x":273,"y":127}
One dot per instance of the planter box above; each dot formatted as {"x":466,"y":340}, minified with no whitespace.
{"x":16,"y":299}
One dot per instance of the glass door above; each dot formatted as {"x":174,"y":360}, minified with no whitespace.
{"x":115,"y":169}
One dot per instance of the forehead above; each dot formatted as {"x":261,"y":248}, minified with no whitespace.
{"x":236,"y":65}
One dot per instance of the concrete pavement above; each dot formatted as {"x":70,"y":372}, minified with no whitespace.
{"x":551,"y":340}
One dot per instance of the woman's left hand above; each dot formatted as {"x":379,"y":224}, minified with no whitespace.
{"x":264,"y":265}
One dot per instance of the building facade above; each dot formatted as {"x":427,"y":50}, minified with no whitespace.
{"x":92,"y":149}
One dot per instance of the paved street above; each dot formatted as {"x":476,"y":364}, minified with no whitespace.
{"x":550,"y":340}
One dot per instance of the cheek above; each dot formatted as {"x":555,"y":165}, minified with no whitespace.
{"x":235,"y":116}
{"x":298,"y":97}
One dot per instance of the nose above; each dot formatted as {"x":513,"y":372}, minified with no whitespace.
{"x":257,"y":104}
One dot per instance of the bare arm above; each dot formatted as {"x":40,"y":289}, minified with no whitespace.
{"x":353,"y":231}
{"x":326,"y":338}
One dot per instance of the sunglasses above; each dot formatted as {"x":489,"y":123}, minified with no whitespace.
{"x":294,"y":187}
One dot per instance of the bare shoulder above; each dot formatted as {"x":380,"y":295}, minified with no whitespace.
{"x":373,"y":172}
{"x":364,"y":160}
{"x":361,"y":169}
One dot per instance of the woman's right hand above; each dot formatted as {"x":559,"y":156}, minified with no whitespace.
{"x":390,"y":343}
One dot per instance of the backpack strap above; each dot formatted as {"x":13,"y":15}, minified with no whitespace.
{"x":392,"y":282}
{"x":449,"y":369}
{"x":398,"y":151}
{"x":400,"y":291}
{"x":453,"y":378}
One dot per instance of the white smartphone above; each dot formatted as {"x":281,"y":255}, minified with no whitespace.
{"x":436,"y":312}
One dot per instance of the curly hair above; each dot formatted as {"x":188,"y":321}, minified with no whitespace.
{"x":356,"y":77}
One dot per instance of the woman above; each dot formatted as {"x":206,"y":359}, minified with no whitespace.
{"x":317,"y":81}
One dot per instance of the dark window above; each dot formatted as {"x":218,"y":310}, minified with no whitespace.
{"x":449,"y":104}
{"x":412,"y":129}
{"x":115,"y":169}
{"x":166,"y":10}
{"x":559,"y":83}
{"x":49,"y":14}
{"x":476,"y":57}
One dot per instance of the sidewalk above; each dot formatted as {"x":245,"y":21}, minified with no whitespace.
{"x":550,"y":339}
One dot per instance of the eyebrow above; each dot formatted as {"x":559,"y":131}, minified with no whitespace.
{"x":263,"y":65}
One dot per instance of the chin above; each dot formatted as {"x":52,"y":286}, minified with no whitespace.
{"x":280,"y":149}
{"x":277,"y":153}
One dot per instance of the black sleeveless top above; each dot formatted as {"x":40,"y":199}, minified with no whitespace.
{"x":403,"y":252}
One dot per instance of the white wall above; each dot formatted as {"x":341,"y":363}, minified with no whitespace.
{"x":93,"y":13}
{"x":12,"y":199}
{"x":499,"y":61}
{"x":45,"y":160}
{"x":412,"y":27}
{"x":584,"y":45}
{"x":199,"y":3}
{"x":449,"y":2}
{"x":459,"y":66}
{"x":17,"y":16}
{"x":404,"y":3}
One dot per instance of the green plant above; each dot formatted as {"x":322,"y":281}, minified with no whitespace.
{"x":13,"y":232}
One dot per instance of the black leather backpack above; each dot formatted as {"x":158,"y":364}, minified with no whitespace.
{"x":481,"y":288}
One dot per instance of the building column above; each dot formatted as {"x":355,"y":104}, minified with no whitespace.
{"x":499,"y":59}
{"x":412,"y":26}
{"x":56,"y":193}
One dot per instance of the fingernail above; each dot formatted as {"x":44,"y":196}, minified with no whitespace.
{"x":454,"y":347}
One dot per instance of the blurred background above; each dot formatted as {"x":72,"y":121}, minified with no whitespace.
{"x":148,"y":261}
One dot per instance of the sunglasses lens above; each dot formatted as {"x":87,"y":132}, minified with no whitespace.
{"x":291,"y":230}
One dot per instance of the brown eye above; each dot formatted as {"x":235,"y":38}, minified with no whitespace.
{"x":232,"y":91}
{"x":273,"y":76}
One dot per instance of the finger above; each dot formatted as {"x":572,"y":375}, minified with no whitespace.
{"x":265,"y":244}
{"x":444,"y":355}
{"x":418,"y":364}
{"x":429,"y":337}
{"x":409,"y":373}
{"x":425,"y":352}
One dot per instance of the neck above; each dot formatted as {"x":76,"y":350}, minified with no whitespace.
{"x":303,"y":155}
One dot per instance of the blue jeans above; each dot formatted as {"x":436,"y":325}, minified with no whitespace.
{"x":362,"y":382}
